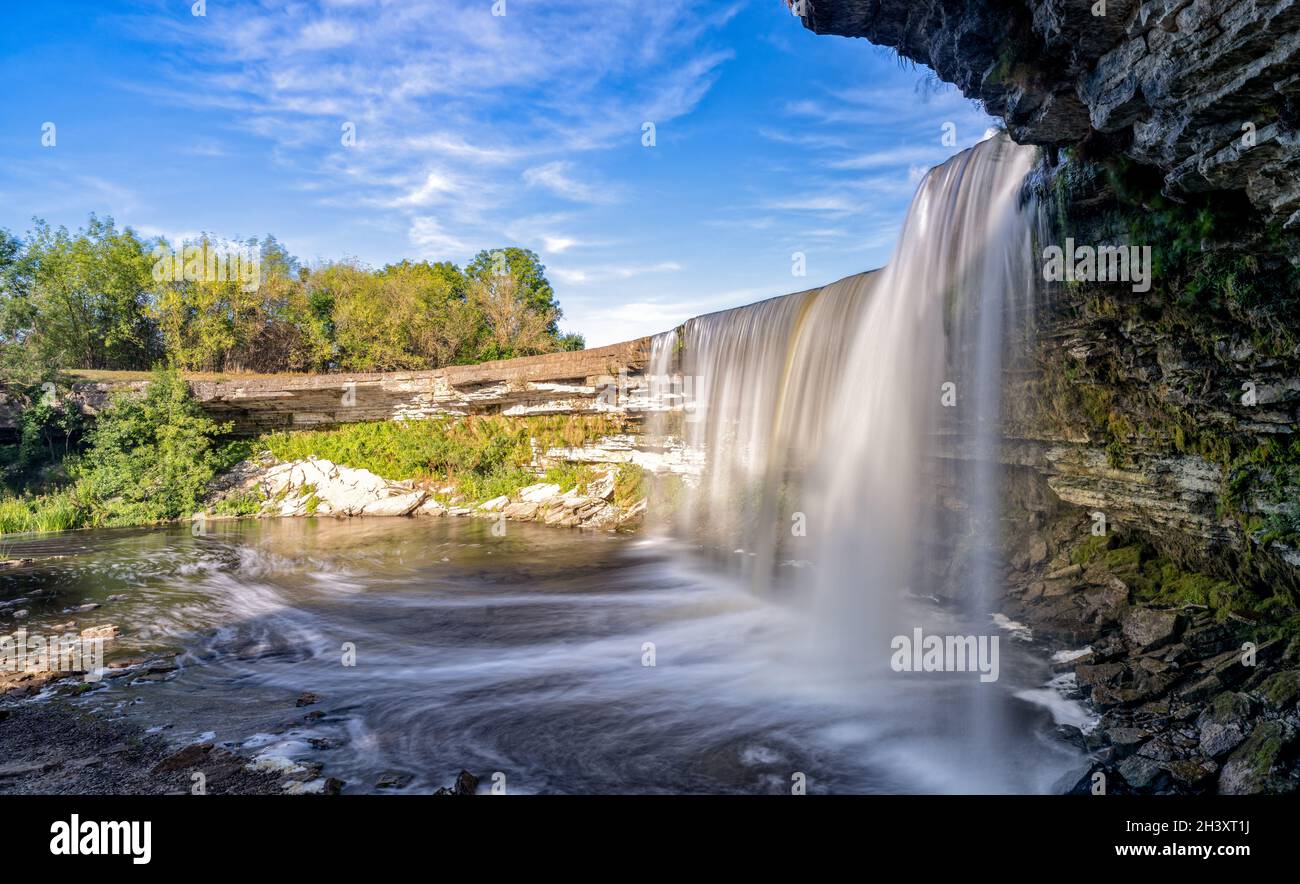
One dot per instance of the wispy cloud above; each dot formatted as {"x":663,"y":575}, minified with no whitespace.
{"x":557,"y":177}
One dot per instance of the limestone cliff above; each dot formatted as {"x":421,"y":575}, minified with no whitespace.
{"x":1175,"y":84}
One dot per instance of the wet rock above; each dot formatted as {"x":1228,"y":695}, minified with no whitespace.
{"x":333,"y":786}
{"x":1068,"y":733}
{"x":1211,"y":638}
{"x":1217,"y":739}
{"x":1260,"y":764}
{"x":1148,"y":628}
{"x":465,"y":784}
{"x":1281,"y":690}
{"x":1079,"y":780}
{"x":108,"y":630}
{"x":1192,"y":775}
{"x":1127,"y":739}
{"x":22,"y":769}
{"x":190,"y":757}
{"x":1143,"y":773}
{"x":306,"y":699}
{"x":393,"y":780}
{"x":1159,"y":748}
{"x":1088,"y":675}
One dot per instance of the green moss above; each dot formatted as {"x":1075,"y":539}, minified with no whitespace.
{"x":1281,"y":689}
{"x":1124,"y":557}
{"x":1091,"y":549}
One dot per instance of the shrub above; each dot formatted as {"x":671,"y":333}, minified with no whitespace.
{"x":150,"y":457}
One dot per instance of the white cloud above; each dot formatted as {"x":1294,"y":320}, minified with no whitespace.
{"x":434,"y":187}
{"x":434,"y":242}
{"x":556,"y":178}
{"x":558,"y":244}
{"x":596,"y":274}
{"x":326,"y":34}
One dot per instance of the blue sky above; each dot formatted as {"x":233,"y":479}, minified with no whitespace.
{"x":476,"y":131}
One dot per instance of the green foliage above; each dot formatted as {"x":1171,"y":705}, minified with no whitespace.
{"x":59,"y":511}
{"x":483,"y":456}
{"x":569,"y":476}
{"x":76,"y":299}
{"x":527,"y":269}
{"x":248,"y":503}
{"x":150,"y":457}
{"x":631,"y":484}
{"x":102,"y":298}
{"x":1091,"y":549}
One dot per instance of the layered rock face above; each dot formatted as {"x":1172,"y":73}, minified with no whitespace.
{"x":1205,"y":91}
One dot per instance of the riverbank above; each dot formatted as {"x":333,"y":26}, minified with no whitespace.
{"x":571,"y":496}
{"x":566,"y":470}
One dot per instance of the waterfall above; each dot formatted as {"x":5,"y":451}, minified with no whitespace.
{"x":832,"y":421}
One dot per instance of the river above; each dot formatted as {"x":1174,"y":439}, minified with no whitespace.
{"x":525,"y":656}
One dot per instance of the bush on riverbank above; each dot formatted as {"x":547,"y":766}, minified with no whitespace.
{"x":149,"y":459}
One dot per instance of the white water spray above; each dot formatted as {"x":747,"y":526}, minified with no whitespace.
{"x":840,"y":408}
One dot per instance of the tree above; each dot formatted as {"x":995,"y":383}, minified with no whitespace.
{"x":84,"y":297}
{"x":514,"y":327}
{"x":530,"y":277}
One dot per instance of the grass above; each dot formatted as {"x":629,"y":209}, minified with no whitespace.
{"x":570,"y":476}
{"x":58,"y":511}
{"x":482,"y":456}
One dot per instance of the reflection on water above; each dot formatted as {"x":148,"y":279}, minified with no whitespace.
{"x":521,"y":654}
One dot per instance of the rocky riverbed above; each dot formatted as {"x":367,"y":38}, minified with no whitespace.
{"x":1190,"y":701}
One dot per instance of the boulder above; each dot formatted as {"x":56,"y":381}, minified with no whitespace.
{"x":1146,"y":629}
{"x":1260,"y":764}
{"x":1143,"y":773}
{"x":539,"y":493}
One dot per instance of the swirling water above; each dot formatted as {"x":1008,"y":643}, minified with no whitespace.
{"x":523,"y":654}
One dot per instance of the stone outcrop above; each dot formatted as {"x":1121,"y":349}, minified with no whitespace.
{"x":318,"y":487}
{"x":602,"y":379}
{"x":1204,"y":91}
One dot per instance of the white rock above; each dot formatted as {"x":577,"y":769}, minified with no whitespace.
{"x":538,"y":493}
{"x":602,"y":487}
{"x":494,"y":504}
{"x":400,"y":505}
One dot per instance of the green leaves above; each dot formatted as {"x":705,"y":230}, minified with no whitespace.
{"x":151,"y":456}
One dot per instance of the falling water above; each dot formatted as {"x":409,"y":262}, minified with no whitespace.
{"x":827,"y":420}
